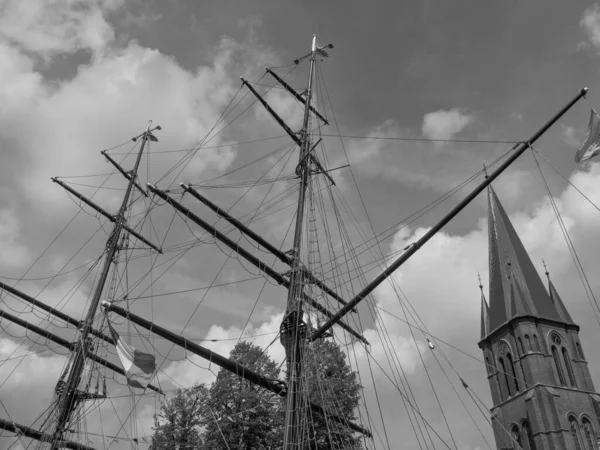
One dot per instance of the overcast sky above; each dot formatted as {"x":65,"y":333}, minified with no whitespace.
{"x":80,"y":76}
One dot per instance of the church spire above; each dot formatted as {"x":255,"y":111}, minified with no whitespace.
{"x":556,"y":300}
{"x":516,"y":289}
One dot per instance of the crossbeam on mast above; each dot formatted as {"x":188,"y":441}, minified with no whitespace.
{"x":296,"y":94}
{"x":280,"y":279}
{"x":288,"y":130}
{"x":413,"y":248}
{"x":277,"y":387}
{"x":66,"y":318}
{"x":282,"y":256}
{"x":39,"y":436}
{"x":123,"y":172}
{"x":69,"y":345}
{"x":105,"y":213}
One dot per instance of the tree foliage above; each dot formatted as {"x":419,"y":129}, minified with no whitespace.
{"x":234,"y":413}
{"x":248,"y":417}
{"x":179,"y":422}
{"x":332,"y":384}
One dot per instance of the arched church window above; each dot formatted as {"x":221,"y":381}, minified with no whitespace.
{"x":555,"y":339}
{"x":588,"y":431}
{"x":520,"y":346}
{"x":561,"y":375}
{"x":575,"y":433}
{"x":527,"y":343}
{"x":516,"y":436}
{"x":527,"y":436}
{"x":536,"y":343}
{"x":579,"y":350}
{"x":504,"y":376}
{"x":513,"y":371}
{"x":569,"y":368}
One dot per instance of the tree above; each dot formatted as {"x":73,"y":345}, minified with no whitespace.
{"x":235,"y":414}
{"x":178,"y":424}
{"x":331,"y":383}
{"x":245,"y":416}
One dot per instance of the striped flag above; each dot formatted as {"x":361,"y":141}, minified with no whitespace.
{"x":139,"y":366}
{"x":591,"y":146}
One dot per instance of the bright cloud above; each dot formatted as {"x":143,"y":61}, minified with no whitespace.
{"x":62,"y":26}
{"x":445,"y":124}
{"x":590,"y":22}
{"x":14,"y":254}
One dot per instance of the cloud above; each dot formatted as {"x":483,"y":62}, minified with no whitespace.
{"x":125,"y":87}
{"x":23,"y":370}
{"x":396,"y":155}
{"x":569,"y":136}
{"x":14,"y":254}
{"x":516,"y":116}
{"x":590,"y":22}
{"x":141,"y":19}
{"x":62,"y":26}
{"x":445,"y":124}
{"x":194,"y":369}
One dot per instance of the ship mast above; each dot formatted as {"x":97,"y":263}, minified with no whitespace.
{"x":71,"y":395}
{"x":293,"y":328}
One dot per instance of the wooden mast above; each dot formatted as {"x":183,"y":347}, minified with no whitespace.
{"x":68,"y":403}
{"x":293,"y":328}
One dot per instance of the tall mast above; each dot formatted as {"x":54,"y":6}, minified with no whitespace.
{"x":70,"y":397}
{"x":293,"y":328}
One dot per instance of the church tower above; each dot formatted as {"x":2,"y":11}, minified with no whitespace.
{"x":542,"y":391}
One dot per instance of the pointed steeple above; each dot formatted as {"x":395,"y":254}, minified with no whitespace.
{"x":485,"y":313}
{"x":516,"y":289}
{"x":557,"y":301}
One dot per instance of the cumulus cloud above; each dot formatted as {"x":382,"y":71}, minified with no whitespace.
{"x":62,"y":26}
{"x":194,"y":369}
{"x":14,"y":254}
{"x":445,"y":124}
{"x":590,"y":22}
{"x":409,"y":162}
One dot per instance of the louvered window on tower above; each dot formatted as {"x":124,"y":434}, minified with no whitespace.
{"x":575,"y":433}
{"x":504,"y":375}
{"x":588,"y":431}
{"x":567,"y":360}
{"x":557,"y":363}
{"x":514,"y":372}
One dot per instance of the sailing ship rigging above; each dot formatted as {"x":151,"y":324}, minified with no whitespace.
{"x":311,"y":298}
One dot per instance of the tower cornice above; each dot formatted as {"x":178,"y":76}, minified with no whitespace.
{"x":511,"y":326}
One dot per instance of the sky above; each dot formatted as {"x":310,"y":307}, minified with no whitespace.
{"x":81,"y":76}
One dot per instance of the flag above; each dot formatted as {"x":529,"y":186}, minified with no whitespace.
{"x":591,"y":146}
{"x":139,"y":366}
